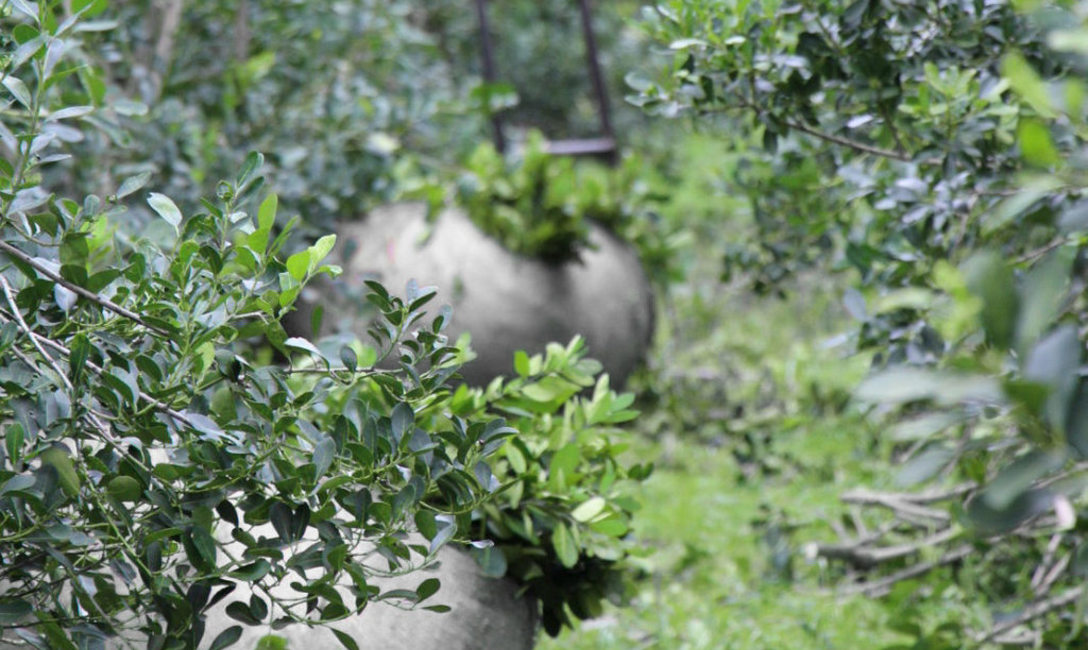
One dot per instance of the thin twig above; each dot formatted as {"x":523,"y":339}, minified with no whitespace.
{"x":89,"y":295}
{"x":1032,"y":612}
{"x":847,"y":142}
{"x":1048,"y":557}
{"x":1031,"y":256}
{"x":859,"y":522}
{"x":164,"y":46}
{"x":828,"y":137}
{"x":927,"y":496}
{"x":909,"y":510}
{"x":881,"y":586}
{"x":37,"y":341}
{"x":1055,"y":572}
{"x":1024,"y":638}
{"x":871,"y":556}
{"x":30,"y":334}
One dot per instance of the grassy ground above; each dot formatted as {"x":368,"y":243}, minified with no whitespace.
{"x":747,"y":411}
{"x":746,"y":479}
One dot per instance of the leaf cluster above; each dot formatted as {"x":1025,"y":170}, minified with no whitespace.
{"x":562,"y":520}
{"x":541,"y":205}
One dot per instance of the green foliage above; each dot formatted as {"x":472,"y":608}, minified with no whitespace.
{"x":887,"y":128}
{"x":936,"y":152}
{"x":335,"y":93}
{"x":562,"y":520}
{"x":746,"y":419}
{"x":542,"y":205}
{"x":331,"y":92}
{"x":154,"y":458}
{"x":531,"y":207}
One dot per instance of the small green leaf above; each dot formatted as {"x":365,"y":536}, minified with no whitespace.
{"x":252,"y":572}
{"x":280,"y":516}
{"x":227,"y":638}
{"x":300,"y":343}
{"x":426,"y":589}
{"x":124,"y":488}
{"x":1027,"y":83}
{"x":25,"y":51}
{"x":252,"y":163}
{"x":13,"y":441}
{"x":13,"y":610}
{"x":201,"y":548}
{"x":81,"y":349}
{"x":349,"y":358}
{"x":1020,"y":475}
{"x":992,"y":520}
{"x":425,"y":524}
{"x":58,"y":459}
{"x":566,"y":549}
{"x":345,"y":639}
{"x":521,"y":363}
{"x":1054,"y":362}
{"x":165,"y":208}
{"x":271,"y":642}
{"x":132,"y":184}
{"x":239,"y":611}
{"x":924,"y":466}
{"x":323,"y":456}
{"x":89,"y":8}
{"x":320,"y":250}
{"x":402,"y":420}
{"x":992,"y":280}
{"x":298,"y":265}
{"x":588,"y":509}
{"x":491,"y":560}
{"x":1044,"y":287}
{"x":612,"y":526}
{"x":19,"y":90}
{"x":1035,"y":143}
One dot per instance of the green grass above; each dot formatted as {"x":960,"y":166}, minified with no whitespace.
{"x":747,"y":412}
{"x":727,"y":569}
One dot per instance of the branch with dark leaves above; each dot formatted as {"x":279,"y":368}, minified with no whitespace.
{"x":40,"y":341}
{"x":882,"y":586}
{"x":816,"y":133}
{"x":75,"y":288}
{"x":1031,"y":612}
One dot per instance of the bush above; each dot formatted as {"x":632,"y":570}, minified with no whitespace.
{"x":144,"y":420}
{"x":936,"y":153}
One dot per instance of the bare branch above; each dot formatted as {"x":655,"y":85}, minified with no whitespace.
{"x":862,"y":556}
{"x":909,"y":509}
{"x":1048,"y":557}
{"x":882,"y":586}
{"x":816,"y":133}
{"x":847,"y":142}
{"x":1032,"y":612}
{"x":164,"y":46}
{"x":926,"y":496}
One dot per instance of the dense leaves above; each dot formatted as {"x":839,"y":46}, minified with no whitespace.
{"x":542,"y":205}
{"x":561,"y":523}
{"x":936,"y":151}
{"x":156,"y":462}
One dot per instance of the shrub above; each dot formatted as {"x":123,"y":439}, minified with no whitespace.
{"x":144,"y":420}
{"x":936,"y":152}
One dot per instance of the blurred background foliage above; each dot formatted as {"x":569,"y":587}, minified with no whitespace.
{"x":335,"y":93}
{"x":871,"y":188}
